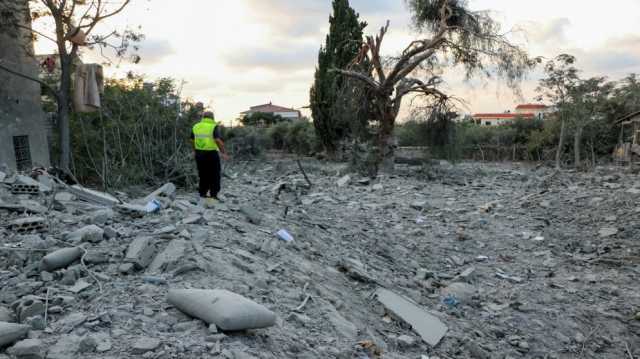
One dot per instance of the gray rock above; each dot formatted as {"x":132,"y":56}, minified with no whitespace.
{"x":145,"y":344}
{"x":91,"y":233}
{"x":345,"y":180}
{"x":110,"y":233}
{"x":169,"y":256}
{"x":66,"y":347}
{"x":253,"y":216}
{"x":88,"y":344}
{"x":28,"y":349}
{"x":344,"y":328}
{"x":463,"y":292}
{"x":11,"y":332}
{"x":6,"y":314}
{"x":101,"y":216}
{"x":406,"y":341}
{"x":140,"y":252}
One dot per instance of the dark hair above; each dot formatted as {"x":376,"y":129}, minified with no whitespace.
{"x":208,"y":114}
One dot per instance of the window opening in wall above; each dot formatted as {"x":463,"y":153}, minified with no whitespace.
{"x":23,"y":152}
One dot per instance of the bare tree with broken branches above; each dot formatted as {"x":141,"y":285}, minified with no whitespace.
{"x":74,"y":27}
{"x":453,"y":36}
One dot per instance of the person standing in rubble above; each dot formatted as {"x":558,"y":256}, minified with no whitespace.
{"x":208,"y":148}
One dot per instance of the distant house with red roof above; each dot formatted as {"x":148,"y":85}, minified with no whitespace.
{"x":270,"y":108}
{"x":524,"y":111}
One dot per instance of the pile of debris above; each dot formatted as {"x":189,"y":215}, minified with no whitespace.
{"x":479,"y":261}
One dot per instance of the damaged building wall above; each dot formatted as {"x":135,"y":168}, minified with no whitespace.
{"x":23,"y":132}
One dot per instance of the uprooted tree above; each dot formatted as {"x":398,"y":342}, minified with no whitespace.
{"x":454,"y":36}
{"x":74,"y":27}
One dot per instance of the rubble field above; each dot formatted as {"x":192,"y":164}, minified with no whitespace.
{"x":466,"y":260}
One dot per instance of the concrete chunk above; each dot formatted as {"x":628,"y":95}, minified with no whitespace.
{"x":253,"y":216}
{"x":11,"y":332}
{"x":28,"y":224}
{"x":91,"y":233}
{"x":428,"y":326}
{"x":344,"y":181}
{"x":168,"y":190}
{"x":28,"y":348}
{"x":227,"y":310}
{"x":92,"y":196}
{"x":171,"y":254}
{"x":60,"y":258}
{"x":140,"y":252}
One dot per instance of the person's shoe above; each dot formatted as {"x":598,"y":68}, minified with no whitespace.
{"x":210,"y":202}
{"x":219,"y":199}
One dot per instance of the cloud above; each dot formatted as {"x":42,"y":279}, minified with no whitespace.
{"x":551,"y":32}
{"x":278,"y":58}
{"x":153,"y":51}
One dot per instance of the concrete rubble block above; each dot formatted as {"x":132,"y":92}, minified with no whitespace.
{"x":168,"y":190}
{"x":6,"y":314}
{"x":28,"y":306}
{"x":101,"y":216}
{"x":145,"y":344}
{"x":228,"y":311}
{"x":253,"y":216}
{"x":64,"y":197}
{"x":60,"y":258}
{"x":28,"y":349}
{"x":29,"y":224}
{"x":344,"y":328}
{"x":343,"y":181}
{"x":428,"y":326}
{"x":91,"y":233}
{"x":11,"y":332}
{"x":93,"y":196}
{"x":66,"y":347}
{"x":131,"y":210}
{"x":356,"y":270}
{"x":140,"y":252}
{"x":33,"y":207}
{"x":169,"y":256}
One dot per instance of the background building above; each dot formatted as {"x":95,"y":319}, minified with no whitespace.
{"x":23,"y":130}
{"x":284,"y":112}
{"x":525,"y":111}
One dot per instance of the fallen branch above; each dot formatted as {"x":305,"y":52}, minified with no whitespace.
{"x":46,"y":307}
{"x":304,"y":173}
{"x":84,"y":265}
{"x":302,"y":305}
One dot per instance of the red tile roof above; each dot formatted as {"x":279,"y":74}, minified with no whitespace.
{"x":531,"y":106}
{"x":270,"y":108}
{"x":503,"y":115}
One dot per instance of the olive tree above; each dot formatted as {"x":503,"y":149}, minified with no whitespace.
{"x":451,"y":35}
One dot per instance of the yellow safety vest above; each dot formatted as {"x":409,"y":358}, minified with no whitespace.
{"x":203,"y":135}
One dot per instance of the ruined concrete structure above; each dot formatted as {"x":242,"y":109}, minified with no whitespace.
{"x":23,"y":133}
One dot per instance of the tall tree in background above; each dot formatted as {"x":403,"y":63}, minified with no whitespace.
{"x":453,"y":35}
{"x":561,"y":79}
{"x":74,"y":26}
{"x":330,"y":117}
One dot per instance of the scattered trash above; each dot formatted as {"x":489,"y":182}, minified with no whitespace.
{"x":284,"y":235}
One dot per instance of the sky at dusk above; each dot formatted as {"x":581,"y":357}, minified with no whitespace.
{"x":236,"y":54}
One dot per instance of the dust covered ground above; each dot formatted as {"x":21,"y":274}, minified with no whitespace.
{"x":517,"y":262}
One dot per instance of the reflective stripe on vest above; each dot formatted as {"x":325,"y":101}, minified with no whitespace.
{"x":203,"y":135}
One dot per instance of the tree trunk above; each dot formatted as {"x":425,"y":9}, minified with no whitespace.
{"x":560,"y":145}
{"x":386,"y":145}
{"x":63,"y":112}
{"x":577,"y":141}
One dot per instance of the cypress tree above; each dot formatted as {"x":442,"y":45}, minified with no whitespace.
{"x":330,"y":117}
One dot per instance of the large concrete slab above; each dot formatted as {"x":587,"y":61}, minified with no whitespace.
{"x":430,"y":328}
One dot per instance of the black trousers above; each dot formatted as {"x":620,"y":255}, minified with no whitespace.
{"x":209,"y":171}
